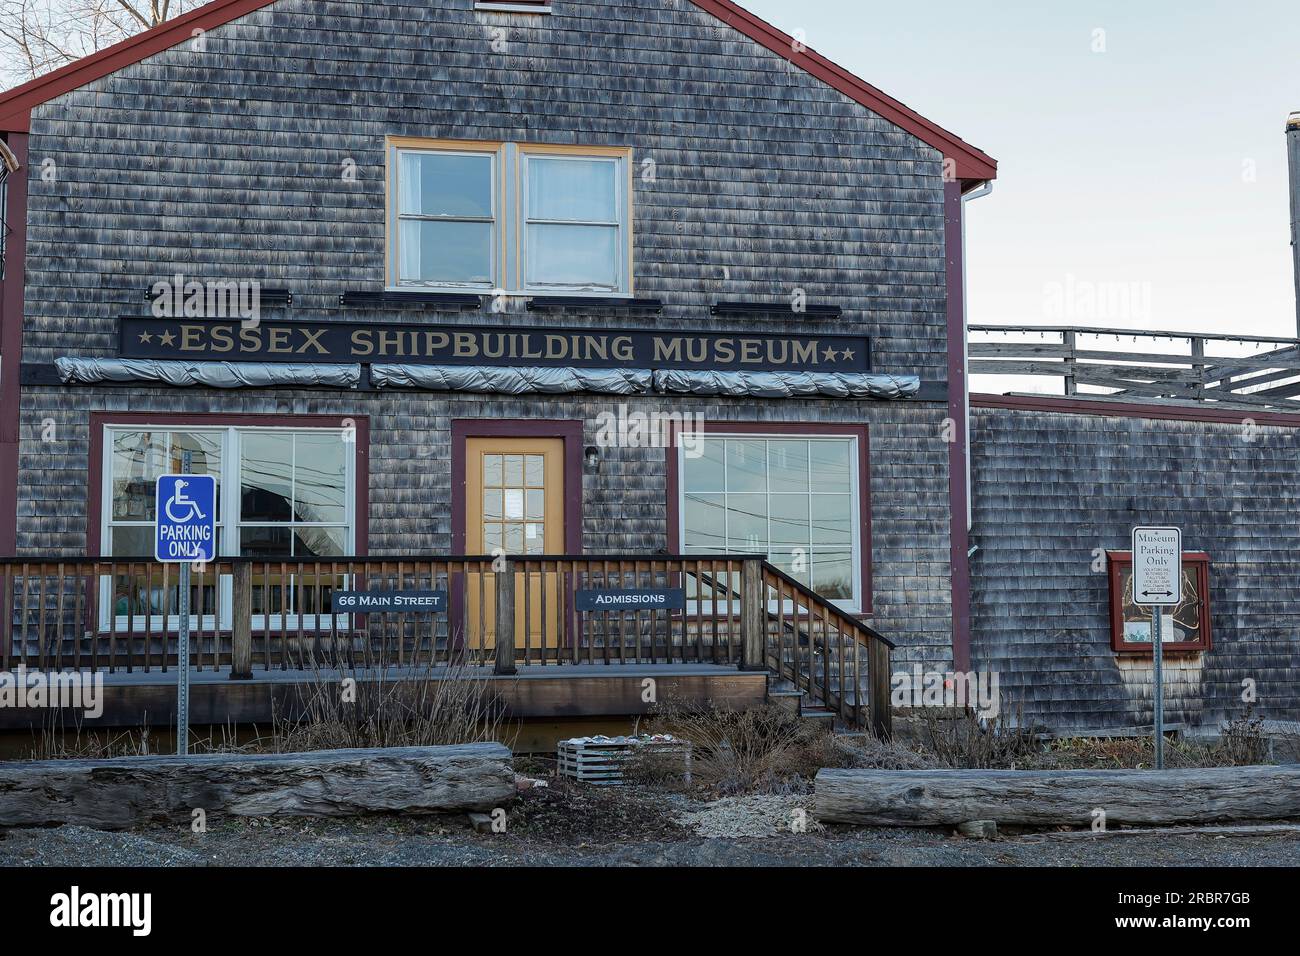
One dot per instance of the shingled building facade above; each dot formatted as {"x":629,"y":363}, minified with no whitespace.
{"x":443,"y":277}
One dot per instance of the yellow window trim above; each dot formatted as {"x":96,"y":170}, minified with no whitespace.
{"x":497,"y":148}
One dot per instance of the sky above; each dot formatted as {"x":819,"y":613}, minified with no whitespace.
{"x":1142,"y":177}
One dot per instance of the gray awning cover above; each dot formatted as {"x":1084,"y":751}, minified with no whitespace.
{"x":493,"y":379}
{"x":88,"y":371}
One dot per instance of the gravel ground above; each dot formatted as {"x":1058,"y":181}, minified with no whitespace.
{"x":565,"y":825}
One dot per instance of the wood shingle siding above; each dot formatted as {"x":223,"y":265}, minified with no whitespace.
{"x":1053,"y":488}
{"x":228,"y":163}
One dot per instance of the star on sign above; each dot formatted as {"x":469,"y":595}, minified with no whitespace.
{"x":848,"y":355}
{"x":146,"y":337}
{"x":829,"y":355}
{"x":166,"y":339}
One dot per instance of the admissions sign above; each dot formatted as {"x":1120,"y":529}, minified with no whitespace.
{"x":227,"y":340}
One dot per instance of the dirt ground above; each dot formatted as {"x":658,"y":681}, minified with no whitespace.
{"x":576,"y":825}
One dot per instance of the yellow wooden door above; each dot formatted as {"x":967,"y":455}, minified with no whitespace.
{"x":514,"y":501}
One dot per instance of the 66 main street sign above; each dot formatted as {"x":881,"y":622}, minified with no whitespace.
{"x":1157,"y":567}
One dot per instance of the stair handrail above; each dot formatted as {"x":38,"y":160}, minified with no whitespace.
{"x":847,"y":616}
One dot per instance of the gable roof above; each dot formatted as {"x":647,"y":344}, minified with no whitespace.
{"x":16,"y":104}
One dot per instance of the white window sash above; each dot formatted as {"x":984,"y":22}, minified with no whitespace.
{"x":620,"y":225}
{"x":495,"y":222}
{"x":231,"y":481}
{"x":853,"y":605}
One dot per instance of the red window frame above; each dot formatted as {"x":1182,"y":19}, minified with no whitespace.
{"x":1117,"y":562}
{"x":95,"y":466}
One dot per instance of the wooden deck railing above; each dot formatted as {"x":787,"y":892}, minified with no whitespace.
{"x":255,"y":614}
{"x":1197,"y":367}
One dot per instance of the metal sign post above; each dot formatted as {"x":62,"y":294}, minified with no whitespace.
{"x":185,"y":531}
{"x":1158,"y":584}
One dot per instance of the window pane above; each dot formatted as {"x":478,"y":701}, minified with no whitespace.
{"x":536,"y":504}
{"x":131,"y":542}
{"x":492,"y":471}
{"x":514,"y":474}
{"x":705,"y":472}
{"x":535,"y":471}
{"x":319,"y":542}
{"x":797,"y":565}
{"x":265,"y":466}
{"x":265,"y":542}
{"x":534,"y":538}
{"x":205,"y":456}
{"x":573,"y":255}
{"x":831,"y":470}
{"x":702,"y":523}
{"x":581,"y":190}
{"x":514,"y":539}
{"x":790,"y":522}
{"x":832,"y":575}
{"x":492,"y":503}
{"x":435,"y":184}
{"x":747,"y":523}
{"x":832,"y":519}
{"x":788,"y":461}
{"x":446,"y":251}
{"x":138,"y":459}
{"x":320,"y":477}
{"x":746,"y":465}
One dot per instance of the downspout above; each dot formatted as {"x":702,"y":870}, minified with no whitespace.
{"x":1293,"y":163}
{"x":979,"y":193}
{"x":958,"y":419}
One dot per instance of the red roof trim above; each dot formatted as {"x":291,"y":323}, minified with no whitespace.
{"x":1118,"y":409}
{"x":16,"y":105}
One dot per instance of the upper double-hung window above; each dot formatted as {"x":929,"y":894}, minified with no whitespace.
{"x":521,"y":219}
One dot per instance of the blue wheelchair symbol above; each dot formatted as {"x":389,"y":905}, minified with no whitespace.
{"x":186,"y":518}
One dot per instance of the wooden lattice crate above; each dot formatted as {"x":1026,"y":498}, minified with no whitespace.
{"x":600,"y":760}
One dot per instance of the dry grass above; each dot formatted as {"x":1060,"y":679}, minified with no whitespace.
{"x":759,"y":750}
{"x":418,"y":707}
{"x":970,"y":742}
{"x":770,"y":750}
{"x":80,"y":743}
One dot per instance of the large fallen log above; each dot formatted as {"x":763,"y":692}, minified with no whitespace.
{"x":1057,"y":797}
{"x":119,"y":793}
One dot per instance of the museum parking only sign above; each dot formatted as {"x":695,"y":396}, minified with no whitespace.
{"x":185,"y":527}
{"x":1157,"y":567}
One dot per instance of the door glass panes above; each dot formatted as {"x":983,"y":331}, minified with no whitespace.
{"x":791,"y":499}
{"x":514,"y":503}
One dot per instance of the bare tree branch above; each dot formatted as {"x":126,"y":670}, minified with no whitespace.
{"x":37,"y":36}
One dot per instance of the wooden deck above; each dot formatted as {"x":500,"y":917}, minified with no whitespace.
{"x":590,"y":691}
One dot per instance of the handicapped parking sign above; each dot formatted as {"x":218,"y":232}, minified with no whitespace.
{"x":185,"y":527}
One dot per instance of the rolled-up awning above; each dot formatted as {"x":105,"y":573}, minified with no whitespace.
{"x":494,"y":379}
{"x":512,"y":381}
{"x":788,"y":384}
{"x":88,"y":371}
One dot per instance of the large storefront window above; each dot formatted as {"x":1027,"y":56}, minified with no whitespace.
{"x":794,"y":499}
{"x":281,"y":493}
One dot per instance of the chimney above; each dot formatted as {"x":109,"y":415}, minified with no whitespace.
{"x":1293,"y":154}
